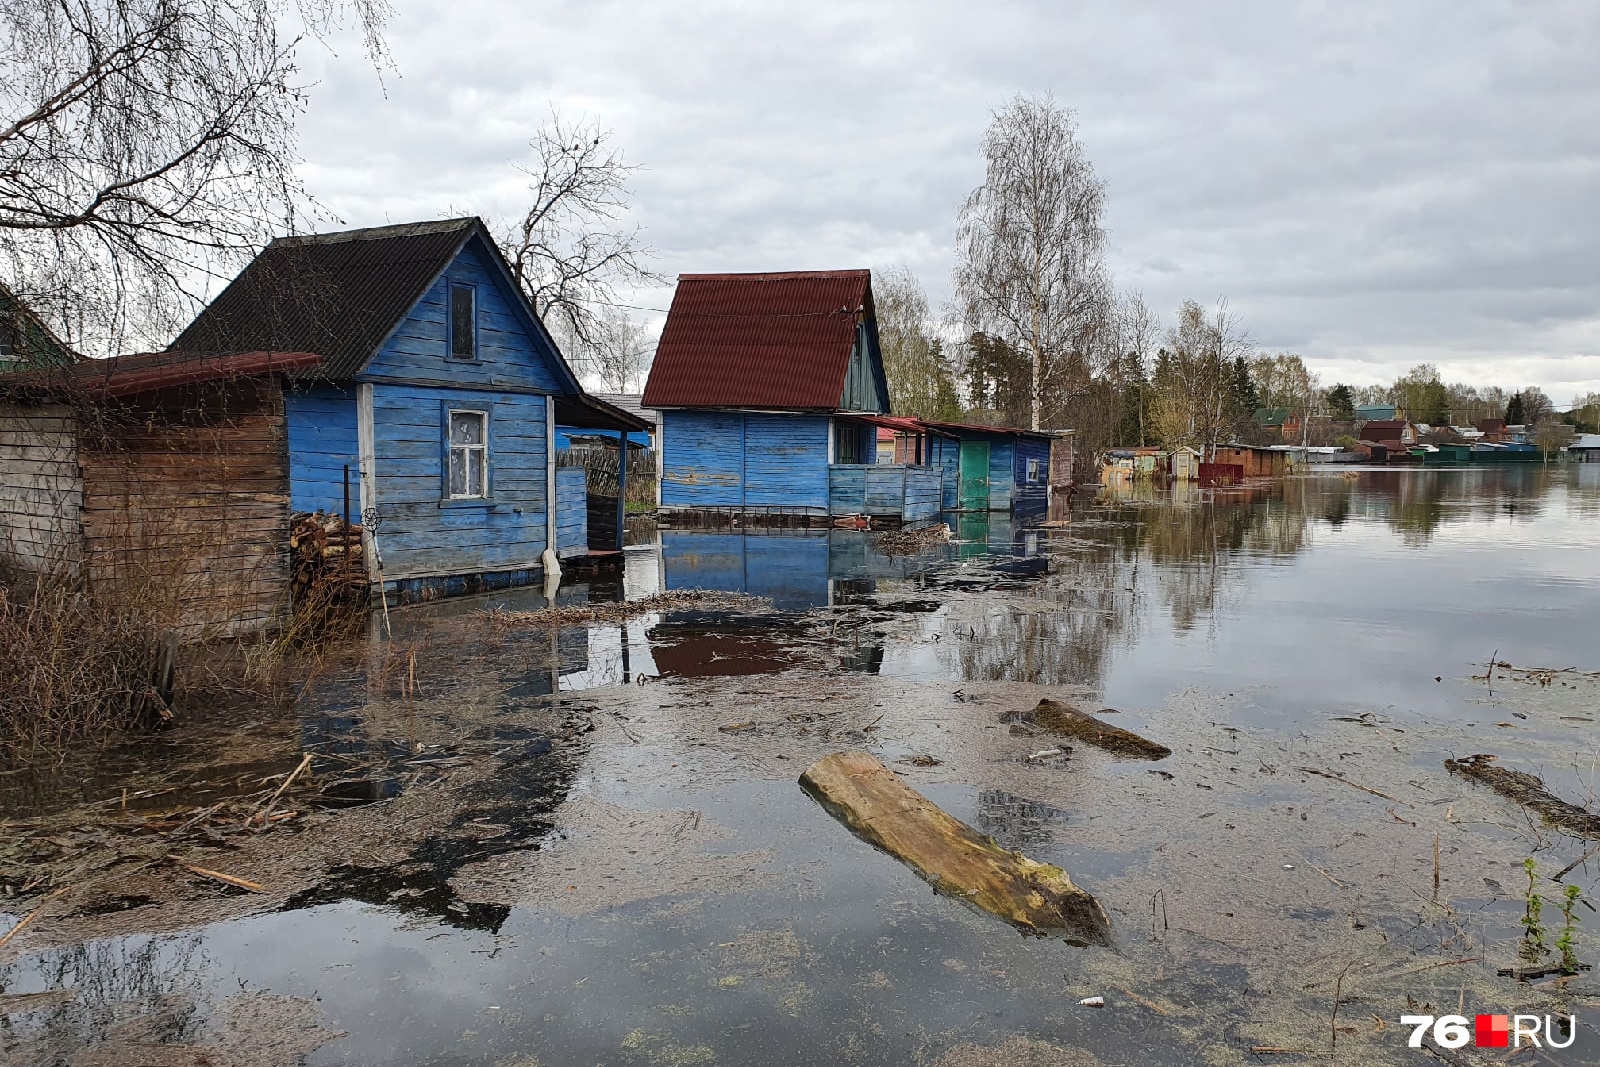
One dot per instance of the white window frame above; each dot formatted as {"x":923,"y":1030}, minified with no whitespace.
{"x":482,"y":448}
{"x":1034,"y":468}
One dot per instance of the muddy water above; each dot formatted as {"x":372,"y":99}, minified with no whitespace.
{"x":588,"y":847}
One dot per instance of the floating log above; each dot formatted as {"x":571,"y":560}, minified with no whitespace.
{"x":1059,"y":718}
{"x":1529,"y":791}
{"x":879,"y":808}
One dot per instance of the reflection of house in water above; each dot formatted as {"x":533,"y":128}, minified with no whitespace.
{"x":802,"y":569}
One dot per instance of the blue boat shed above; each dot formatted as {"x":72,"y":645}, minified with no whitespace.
{"x":435,"y":404}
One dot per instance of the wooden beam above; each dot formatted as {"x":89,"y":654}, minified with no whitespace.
{"x":879,"y":808}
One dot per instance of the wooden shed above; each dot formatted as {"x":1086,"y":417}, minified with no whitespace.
{"x":1255,"y":461}
{"x":996,"y":468}
{"x":154,"y":477}
{"x":440,"y":392}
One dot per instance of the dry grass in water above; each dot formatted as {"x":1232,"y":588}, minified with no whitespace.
{"x":616,"y":611}
{"x":72,"y":668}
{"x":910,"y":542}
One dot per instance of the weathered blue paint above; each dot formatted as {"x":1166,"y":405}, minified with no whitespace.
{"x":1009,"y":453}
{"x":944,"y":454}
{"x":1002,"y":464}
{"x":512,"y":351}
{"x":417,"y":590}
{"x":430,"y":544}
{"x":731,"y":461}
{"x":888,"y":490}
{"x":1031,"y":495}
{"x":566,"y":436}
{"x":321,"y":421}
{"x":422,"y":533}
{"x":572,"y":512}
{"x":923,"y":494}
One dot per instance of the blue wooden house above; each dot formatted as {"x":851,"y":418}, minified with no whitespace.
{"x":999,"y":468}
{"x":435,"y":404}
{"x":769,"y":388}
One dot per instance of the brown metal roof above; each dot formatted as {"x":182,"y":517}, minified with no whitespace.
{"x":778,"y":341}
{"x":1383,"y":430}
{"x":958,"y":427}
{"x":149,"y":371}
{"x":586,"y":412}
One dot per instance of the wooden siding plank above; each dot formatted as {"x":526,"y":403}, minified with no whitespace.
{"x":422,"y":535}
{"x":323,"y":440}
{"x":702,"y":465}
{"x":786,"y":461}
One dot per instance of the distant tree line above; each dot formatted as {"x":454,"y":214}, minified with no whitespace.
{"x":1038,"y":335}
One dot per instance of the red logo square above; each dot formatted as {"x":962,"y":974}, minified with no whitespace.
{"x":1494,"y":1031}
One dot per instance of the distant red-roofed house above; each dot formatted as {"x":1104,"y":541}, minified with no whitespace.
{"x":1493,"y":430}
{"x":1394,"y":434}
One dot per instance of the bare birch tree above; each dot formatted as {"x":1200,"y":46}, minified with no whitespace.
{"x":1196,"y":377}
{"x":921,"y":380}
{"x":621,"y":351}
{"x":1031,"y":246}
{"x":572,"y":248}
{"x":146,"y":146}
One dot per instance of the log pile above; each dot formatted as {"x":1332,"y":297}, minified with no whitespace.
{"x":327,"y":562}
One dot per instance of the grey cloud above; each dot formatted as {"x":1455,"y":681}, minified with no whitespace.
{"x":1372,"y":184}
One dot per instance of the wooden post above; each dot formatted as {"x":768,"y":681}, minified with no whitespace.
{"x":622,"y":486}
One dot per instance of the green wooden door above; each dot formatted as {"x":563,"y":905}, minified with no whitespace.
{"x":974,"y":476}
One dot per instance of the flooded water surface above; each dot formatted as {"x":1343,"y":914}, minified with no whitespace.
{"x":587,"y":845}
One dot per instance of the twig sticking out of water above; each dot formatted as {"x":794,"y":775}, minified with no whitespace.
{"x":266,"y":809}
{"x":1348,"y":782}
{"x":32,"y":915}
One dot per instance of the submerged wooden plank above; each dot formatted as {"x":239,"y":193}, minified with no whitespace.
{"x":1059,"y":718}
{"x":879,"y":808}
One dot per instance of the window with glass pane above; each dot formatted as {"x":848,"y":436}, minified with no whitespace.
{"x":462,"y":335}
{"x":469,"y":455}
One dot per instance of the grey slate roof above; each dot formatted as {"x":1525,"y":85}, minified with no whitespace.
{"x":337,"y":294}
{"x":632,"y":403}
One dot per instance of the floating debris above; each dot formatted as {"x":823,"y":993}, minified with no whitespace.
{"x":616,"y":611}
{"x":1529,"y":791}
{"x":905,"y":542}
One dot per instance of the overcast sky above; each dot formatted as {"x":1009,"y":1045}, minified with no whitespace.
{"x":1373,"y":184}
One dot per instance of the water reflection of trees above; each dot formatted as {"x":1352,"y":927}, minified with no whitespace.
{"x":157,"y":983}
{"x":1193,"y":550}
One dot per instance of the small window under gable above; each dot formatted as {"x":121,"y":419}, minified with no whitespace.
{"x":463,"y":322}
{"x":469,"y":455}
